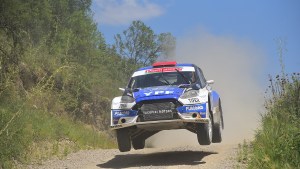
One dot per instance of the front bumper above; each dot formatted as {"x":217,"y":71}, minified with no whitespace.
{"x":188,"y":115}
{"x":161,"y":124}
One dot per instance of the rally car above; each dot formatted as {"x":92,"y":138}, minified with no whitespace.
{"x":166,"y":96}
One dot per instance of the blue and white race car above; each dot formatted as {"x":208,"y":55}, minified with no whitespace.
{"x":166,"y":96}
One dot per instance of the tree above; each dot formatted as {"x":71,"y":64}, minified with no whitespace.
{"x":140,"y":45}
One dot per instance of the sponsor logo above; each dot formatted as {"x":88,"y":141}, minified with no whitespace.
{"x":157,"y":111}
{"x":169,"y":69}
{"x":163,"y":92}
{"x":194,"y":100}
{"x":169,"y":92}
{"x":122,"y":106}
{"x":193,"y":108}
{"x":120,"y":113}
{"x":116,"y":126}
{"x":160,"y":92}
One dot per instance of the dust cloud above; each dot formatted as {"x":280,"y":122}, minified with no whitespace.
{"x":236,"y":66}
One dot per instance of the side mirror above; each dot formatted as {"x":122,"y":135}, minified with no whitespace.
{"x":210,"y":81}
{"x":122,"y":89}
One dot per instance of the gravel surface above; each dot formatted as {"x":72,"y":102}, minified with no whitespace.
{"x":215,"y":156}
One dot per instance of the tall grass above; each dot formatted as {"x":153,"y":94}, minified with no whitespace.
{"x":277,"y":143}
{"x":29,"y":134}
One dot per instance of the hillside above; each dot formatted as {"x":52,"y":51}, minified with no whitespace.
{"x":56,"y":80}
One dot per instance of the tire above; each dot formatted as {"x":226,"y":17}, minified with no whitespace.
{"x":123,"y":138}
{"x":204,"y":132}
{"x":217,"y":129}
{"x":138,"y":143}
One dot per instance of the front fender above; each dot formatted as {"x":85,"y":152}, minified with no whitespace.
{"x":214,"y":106}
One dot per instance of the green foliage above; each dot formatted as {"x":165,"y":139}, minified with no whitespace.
{"x":12,"y":135}
{"x":58,"y":76}
{"x":140,"y":45}
{"x":277,"y":143}
{"x":48,"y":132}
{"x":244,"y":151}
{"x":56,"y":80}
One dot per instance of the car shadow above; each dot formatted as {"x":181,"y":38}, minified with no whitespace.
{"x":172,"y":158}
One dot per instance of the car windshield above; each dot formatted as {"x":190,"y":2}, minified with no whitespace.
{"x":161,"y":79}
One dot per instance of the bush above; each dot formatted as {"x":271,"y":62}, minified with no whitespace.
{"x":13,"y":136}
{"x":29,"y":134}
{"x":277,"y":143}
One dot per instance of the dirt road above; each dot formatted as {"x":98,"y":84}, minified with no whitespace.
{"x":216,"y":156}
{"x":176,"y":157}
{"x":170,"y":149}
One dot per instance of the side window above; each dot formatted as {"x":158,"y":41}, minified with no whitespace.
{"x":201,"y":77}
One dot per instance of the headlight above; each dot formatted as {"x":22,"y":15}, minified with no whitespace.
{"x":189,"y":94}
{"x":127,"y":99}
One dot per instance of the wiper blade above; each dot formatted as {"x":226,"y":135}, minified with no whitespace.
{"x":183,"y":76}
{"x":184,"y":85}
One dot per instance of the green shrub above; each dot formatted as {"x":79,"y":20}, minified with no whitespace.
{"x":29,"y":134}
{"x":277,"y":143}
{"x":13,"y":136}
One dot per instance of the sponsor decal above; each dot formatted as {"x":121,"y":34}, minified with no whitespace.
{"x":122,"y":106}
{"x":169,"y":92}
{"x":120,"y":113}
{"x":160,"y":92}
{"x":194,"y":100}
{"x":116,"y":126}
{"x":157,"y":111}
{"x":165,"y":69}
{"x":123,"y":113}
{"x":168,"y":69}
{"x":163,"y":92}
{"x":193,"y":108}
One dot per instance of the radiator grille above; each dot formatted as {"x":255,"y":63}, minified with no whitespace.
{"x":158,"y":111}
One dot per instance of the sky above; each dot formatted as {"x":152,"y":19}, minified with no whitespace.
{"x":234,"y":42}
{"x":262,"y":23}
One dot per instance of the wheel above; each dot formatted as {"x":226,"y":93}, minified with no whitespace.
{"x":217,"y":128}
{"x":204,"y":132}
{"x":123,"y":138}
{"x":217,"y":132}
{"x":138,"y":143}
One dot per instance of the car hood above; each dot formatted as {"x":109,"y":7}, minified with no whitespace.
{"x":158,"y":92}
